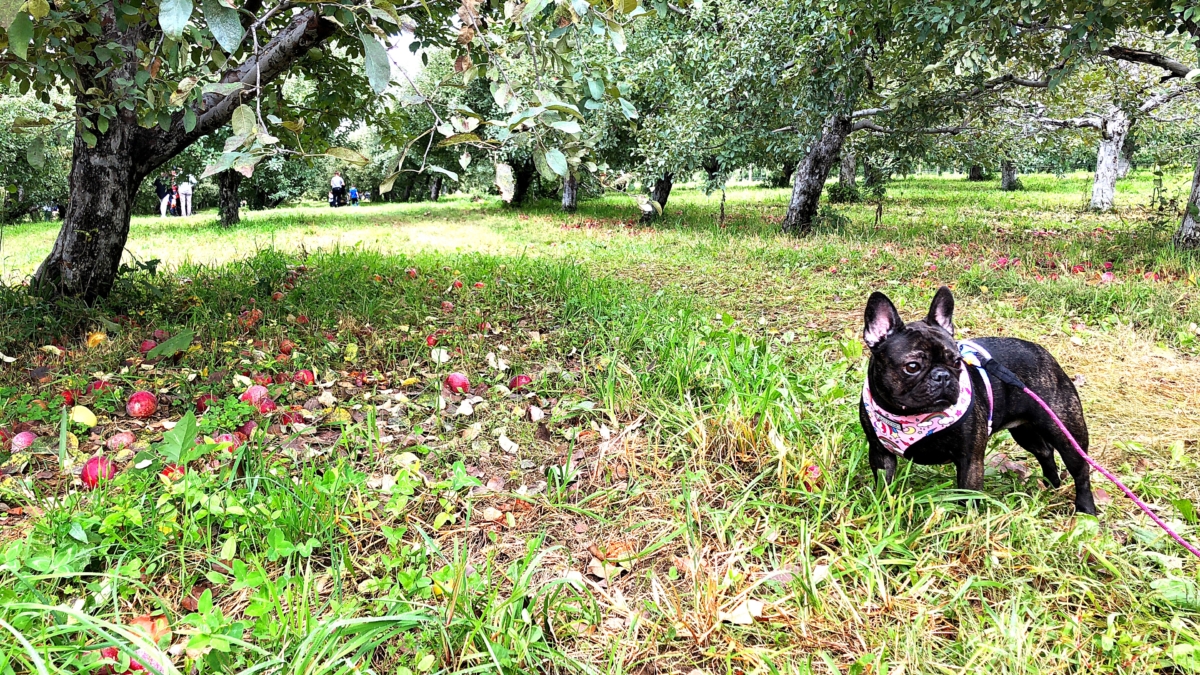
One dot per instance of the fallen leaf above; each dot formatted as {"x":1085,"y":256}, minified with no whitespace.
{"x":327,"y":399}
{"x":1101,"y":497}
{"x":508,"y":446}
{"x":581,"y":527}
{"x":492,"y":514}
{"x":52,"y":350}
{"x":96,"y":339}
{"x":744,"y":614}
{"x":439,"y":355}
{"x":496,"y":483}
{"x":465,"y":409}
{"x":472,"y":432}
{"x":536,"y":414}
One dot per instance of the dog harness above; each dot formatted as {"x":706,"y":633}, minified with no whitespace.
{"x":898,"y":432}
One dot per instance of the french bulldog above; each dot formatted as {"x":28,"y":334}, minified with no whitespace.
{"x":923,"y":402}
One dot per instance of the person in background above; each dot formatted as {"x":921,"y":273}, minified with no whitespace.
{"x":353,"y":196}
{"x":338,"y":184}
{"x":163,"y":190}
{"x":185,"y":196}
{"x":174,"y":209}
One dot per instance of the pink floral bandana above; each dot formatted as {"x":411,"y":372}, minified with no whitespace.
{"x":898,"y":432}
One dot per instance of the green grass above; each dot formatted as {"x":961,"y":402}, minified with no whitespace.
{"x":691,"y":376}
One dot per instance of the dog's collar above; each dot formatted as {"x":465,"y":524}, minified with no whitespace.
{"x":898,"y":432}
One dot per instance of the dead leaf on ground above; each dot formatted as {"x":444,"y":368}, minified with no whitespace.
{"x":492,"y":514}
{"x":744,"y":614}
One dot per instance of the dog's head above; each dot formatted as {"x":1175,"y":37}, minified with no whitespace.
{"x":915,"y":366}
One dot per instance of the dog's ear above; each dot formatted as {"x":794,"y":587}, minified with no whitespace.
{"x":880,"y":320}
{"x":941,"y":311}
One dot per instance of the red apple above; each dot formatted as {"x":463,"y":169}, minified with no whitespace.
{"x":96,"y":469}
{"x":5,"y":438}
{"x":23,"y":440}
{"x":519,"y":381}
{"x":304,"y":377}
{"x":457,"y":382}
{"x":142,"y":404}
{"x":98,"y":386}
{"x":173,"y":472}
{"x":277,"y":296}
{"x":161,"y":335}
{"x":431,"y":341}
{"x":120,"y":441}
{"x":147,"y":345}
{"x":282,"y":378}
{"x":302,"y":320}
{"x":69,"y":396}
{"x":447,"y":306}
{"x":203,"y":401}
{"x":480,"y":284}
{"x":255,"y":394}
{"x":457,"y":283}
{"x":286,"y":347}
{"x":262,"y":378}
{"x":412,"y":272}
{"x":233,"y":441}
{"x":247,"y":429}
{"x":485,"y":326}
{"x":267,"y":406}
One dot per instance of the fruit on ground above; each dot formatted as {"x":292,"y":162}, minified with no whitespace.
{"x":262,"y":378}
{"x":286,"y":347}
{"x":121,"y":441}
{"x":95,"y":471}
{"x":23,"y":440}
{"x":431,"y":341}
{"x":447,"y":306}
{"x":173,"y":472}
{"x":277,"y":296}
{"x":519,"y":381}
{"x":305,"y":377}
{"x":161,"y":335}
{"x":457,"y":283}
{"x":267,"y":406}
{"x":480,"y":284}
{"x":255,"y":394}
{"x":458,"y":383}
{"x":412,"y":272}
{"x":142,"y":404}
{"x":233,"y":441}
{"x":203,"y":400}
{"x":147,"y":345}
{"x":98,"y":386}
{"x":247,"y":428}
{"x":69,"y":396}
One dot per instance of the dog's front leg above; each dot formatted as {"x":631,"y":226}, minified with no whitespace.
{"x":881,"y":460}
{"x":969,"y":466}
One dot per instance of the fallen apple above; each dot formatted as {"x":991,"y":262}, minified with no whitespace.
{"x":519,"y":381}
{"x":304,"y":377}
{"x":23,"y":440}
{"x":412,"y":272}
{"x":98,"y":386}
{"x":233,"y":441}
{"x":277,"y":296}
{"x":267,"y":406}
{"x":147,"y":345}
{"x":480,"y":284}
{"x":5,"y":438}
{"x":457,"y":283}
{"x":431,"y":341}
{"x":203,"y":400}
{"x":248,"y":428}
{"x":302,"y":320}
{"x":282,"y":378}
{"x":447,"y":306}
{"x":121,"y":441}
{"x":161,"y":335}
{"x":173,"y":472}
{"x":458,"y":383}
{"x":255,"y":394}
{"x":95,"y":470}
{"x":69,"y":396}
{"x":286,"y":347}
{"x":262,"y":378}
{"x":142,"y":404}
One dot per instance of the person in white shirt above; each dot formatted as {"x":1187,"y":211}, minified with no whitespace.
{"x":339,"y":188}
{"x":185,"y":196}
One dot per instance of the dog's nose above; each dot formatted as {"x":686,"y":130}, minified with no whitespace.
{"x":941,"y":376}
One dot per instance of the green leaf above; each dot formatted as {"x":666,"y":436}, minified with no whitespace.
{"x":243,"y":121}
{"x":173,"y":16}
{"x":8,"y":12}
{"x":557,"y":162}
{"x":505,"y":182}
{"x":40,"y":9}
{"x":1179,"y":592}
{"x":189,"y":120}
{"x":36,"y":154}
{"x":179,"y":439}
{"x":445,"y":172}
{"x":386,"y":186}
{"x":348,"y":155}
{"x":459,"y":138}
{"x":617,"y":34}
{"x":375,"y":58}
{"x":596,"y":88}
{"x":224,"y":24}
{"x":627,"y":109}
{"x":543,"y":167}
{"x":20,"y":34}
{"x":172,"y":346}
{"x":222,"y":88}
{"x":567,"y":126}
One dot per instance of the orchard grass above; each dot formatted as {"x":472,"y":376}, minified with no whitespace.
{"x":697,"y":494}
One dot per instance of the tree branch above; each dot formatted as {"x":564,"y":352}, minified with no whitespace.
{"x":1175,"y":68}
{"x":1158,"y":100}
{"x":1073,"y":123}
{"x":870,"y":125}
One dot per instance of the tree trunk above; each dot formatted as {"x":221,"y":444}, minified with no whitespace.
{"x":1008,"y":176}
{"x":1112,"y":137}
{"x":1188,"y":235}
{"x":523,"y":174}
{"x":976,"y":173}
{"x":570,"y":196}
{"x":228,"y":182}
{"x":408,"y":190}
{"x":846,"y":177}
{"x":811,"y":175}
{"x":659,"y":193}
{"x":87,"y":254}
{"x":1125,"y":159}
{"x":435,"y":189}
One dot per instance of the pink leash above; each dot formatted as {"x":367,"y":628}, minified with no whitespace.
{"x":1096,"y":465}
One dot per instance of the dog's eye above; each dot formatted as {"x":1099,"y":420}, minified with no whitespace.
{"x":912,"y":367}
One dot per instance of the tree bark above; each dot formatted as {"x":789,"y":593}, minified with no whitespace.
{"x":975,"y":173}
{"x":408,"y":190}
{"x":1008,"y":176}
{"x":1112,"y":136}
{"x":1188,"y":235}
{"x":87,"y":253}
{"x":812,"y":172}
{"x":570,"y":194}
{"x":1125,"y":159}
{"x":846,"y":177}
{"x":435,"y":189}
{"x":229,"y":202}
{"x":523,"y":174}
{"x":660,"y":193}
